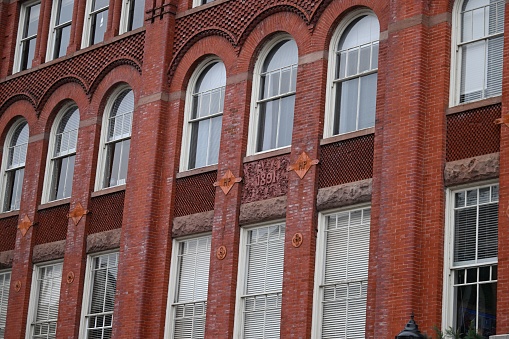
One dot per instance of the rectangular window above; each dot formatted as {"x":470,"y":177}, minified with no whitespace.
{"x":473,"y":257}
{"x":102,"y":283}
{"x":45,"y":300}
{"x":190,"y":280}
{"x":96,"y":19}
{"x":5,"y":283}
{"x":342,"y":255}
{"x":60,"y":30}
{"x":27,"y":35}
{"x":261,"y":282}
{"x":132,"y":15}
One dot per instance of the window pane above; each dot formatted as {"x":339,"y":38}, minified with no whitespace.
{"x":215,"y":138}
{"x":99,"y":22}
{"x":367,"y":102}
{"x":286,"y":121}
{"x":138,"y":9}
{"x":268,"y":124}
{"x":32,"y":20}
{"x":472,"y":70}
{"x":62,"y":37}
{"x":348,"y":92}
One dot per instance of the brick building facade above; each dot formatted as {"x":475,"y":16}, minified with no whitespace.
{"x":253,"y":169}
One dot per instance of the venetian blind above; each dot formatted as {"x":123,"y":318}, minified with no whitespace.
{"x":5,"y":281}
{"x":190,"y":303}
{"x":264,"y":281}
{"x":345,"y":277}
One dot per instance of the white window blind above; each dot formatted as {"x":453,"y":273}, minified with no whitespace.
{"x":262,"y":295}
{"x":480,"y":47}
{"x":343,"y":286}
{"x":99,"y":317}
{"x":5,"y":282}
{"x":49,"y":278}
{"x":190,"y":302}
{"x":475,"y":257}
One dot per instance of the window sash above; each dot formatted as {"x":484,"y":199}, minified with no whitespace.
{"x":5,"y":282}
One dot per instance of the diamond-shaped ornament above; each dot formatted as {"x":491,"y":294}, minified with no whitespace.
{"x":227,"y":181}
{"x":77,"y":213}
{"x":303,"y":164}
{"x":503,"y":120}
{"x":25,"y":225}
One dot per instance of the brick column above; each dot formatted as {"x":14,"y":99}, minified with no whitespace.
{"x":22,"y":264}
{"x":75,"y":258}
{"x":400,"y":160}
{"x":503,"y":218}
{"x":226,"y":230}
{"x":78,"y":17}
{"x":145,"y":243}
{"x":301,"y":214}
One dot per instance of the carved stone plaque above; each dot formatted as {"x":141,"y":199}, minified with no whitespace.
{"x":265,"y":179}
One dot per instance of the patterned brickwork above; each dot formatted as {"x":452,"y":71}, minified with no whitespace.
{"x":195,"y":194}
{"x":237,"y":25}
{"x":473,"y":133}
{"x":86,"y":69}
{"x":8,"y":229}
{"x":346,"y":161}
{"x":265,"y":179}
{"x":106,"y":212}
{"x":52,"y":224}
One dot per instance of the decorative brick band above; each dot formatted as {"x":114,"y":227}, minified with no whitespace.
{"x":468,"y":170}
{"x":344,"y":195}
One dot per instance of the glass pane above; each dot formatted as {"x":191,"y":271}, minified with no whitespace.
{"x":138,"y":9}
{"x":65,"y":11}
{"x":202,"y":139}
{"x":361,"y":31}
{"x":215,"y":138}
{"x":365,"y":59}
{"x":99,"y":22}
{"x":284,"y":54}
{"x":472,"y":71}
{"x":62,"y":38}
{"x":97,"y":4}
{"x":267,"y":125}
{"x":348,"y":92}
{"x":28,"y":52}
{"x":32,"y":20}
{"x":466,"y":307}
{"x":367,"y":102}
{"x":286,"y":121}
{"x":487,"y":309}
{"x":352,"y":62}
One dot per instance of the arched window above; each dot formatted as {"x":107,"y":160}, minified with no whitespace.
{"x":62,"y":152}
{"x":204,"y":116}
{"x":479,"y":46}
{"x":353,"y":71}
{"x":116,"y":138}
{"x":15,"y":152}
{"x":274,"y":95}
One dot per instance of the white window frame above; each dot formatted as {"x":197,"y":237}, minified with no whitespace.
{"x":21,"y":27}
{"x":87,"y":24}
{"x":87,"y":289}
{"x":197,"y":3}
{"x":101,"y":164}
{"x":455,"y":72}
{"x":126,"y":15}
{"x":331,"y":70}
{"x":174,"y":281}
{"x":188,"y":111}
{"x":317,"y":321}
{"x":448,"y":300}
{"x":255,"y":95}
{"x":52,"y":30}
{"x":3,"y":298}
{"x":51,"y":149}
{"x":242,"y":275}
{"x":5,"y":159}
{"x":34,"y":294}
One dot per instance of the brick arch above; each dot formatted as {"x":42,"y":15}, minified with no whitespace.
{"x":109,"y":68}
{"x":290,"y":8}
{"x":206,"y":47}
{"x":124,"y":74}
{"x":18,"y":97}
{"x":281,"y":22}
{"x":198,"y":38}
{"x":56,"y":85}
{"x":70,"y":91}
{"x":335,"y":11}
{"x":20,"y":109}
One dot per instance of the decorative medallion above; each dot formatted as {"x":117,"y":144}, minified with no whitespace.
{"x":25,"y":225}
{"x":227,"y":181}
{"x":297,"y":240}
{"x":17,"y":286}
{"x":77,"y":214}
{"x":503,"y":120}
{"x":70,"y":277}
{"x":303,"y":164}
{"x":221,"y":252}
